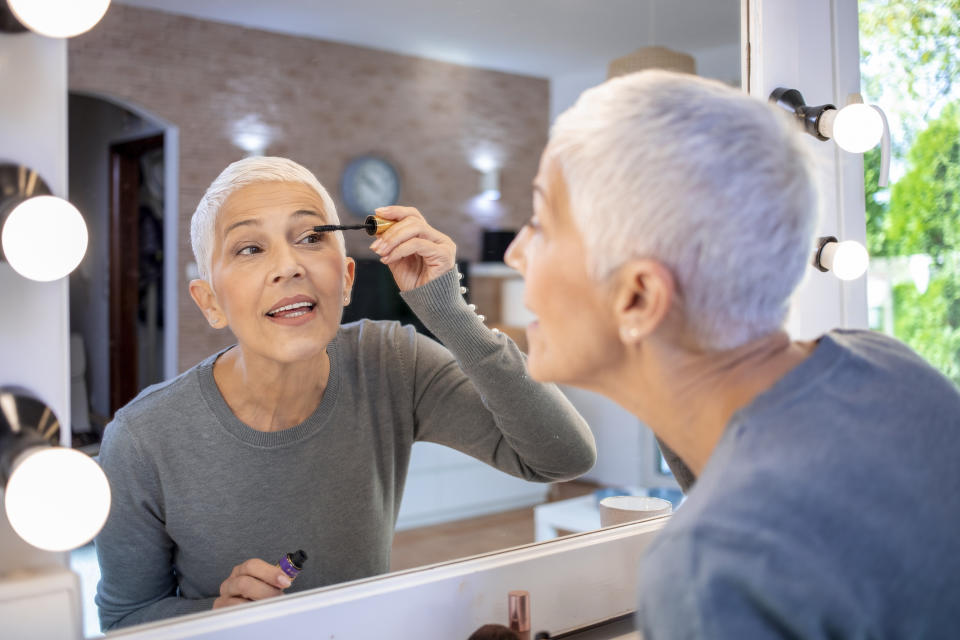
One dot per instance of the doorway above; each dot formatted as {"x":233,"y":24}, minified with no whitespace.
{"x":123,"y":296}
{"x":136,"y":267}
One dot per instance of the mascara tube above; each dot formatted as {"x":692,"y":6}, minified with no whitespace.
{"x":292,"y":563}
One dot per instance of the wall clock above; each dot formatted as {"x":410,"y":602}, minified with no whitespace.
{"x":369,"y":182}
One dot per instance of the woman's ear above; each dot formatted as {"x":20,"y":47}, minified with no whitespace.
{"x":644,"y":293}
{"x":348,"y":275}
{"x":206,"y":300}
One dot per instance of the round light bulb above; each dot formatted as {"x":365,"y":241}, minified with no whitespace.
{"x":858,"y":128}
{"x":44,"y":238}
{"x":850,"y":260}
{"x":59,"y":18}
{"x":57,"y":499}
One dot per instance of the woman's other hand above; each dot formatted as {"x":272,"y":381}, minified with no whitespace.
{"x":415,"y":252}
{"x":251,"y":580}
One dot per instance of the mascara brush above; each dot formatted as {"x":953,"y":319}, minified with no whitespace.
{"x":373,"y":225}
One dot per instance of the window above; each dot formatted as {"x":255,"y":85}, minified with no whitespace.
{"x":910,"y":58}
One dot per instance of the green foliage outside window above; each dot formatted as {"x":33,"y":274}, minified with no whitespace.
{"x":911,"y":61}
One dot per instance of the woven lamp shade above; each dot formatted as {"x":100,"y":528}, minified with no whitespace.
{"x":652,"y":58}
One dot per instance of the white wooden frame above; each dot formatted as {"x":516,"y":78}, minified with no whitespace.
{"x":574,"y":582}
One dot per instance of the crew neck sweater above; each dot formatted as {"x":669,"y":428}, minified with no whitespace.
{"x":829,"y":509}
{"x":196,"y":491}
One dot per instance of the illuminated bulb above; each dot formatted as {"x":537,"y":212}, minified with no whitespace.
{"x":857,"y":128}
{"x":59,"y":18}
{"x":490,"y":184}
{"x":57,"y":499}
{"x":44,"y":238}
{"x":847,"y":260}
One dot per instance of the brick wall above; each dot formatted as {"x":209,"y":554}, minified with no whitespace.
{"x":326,"y":103}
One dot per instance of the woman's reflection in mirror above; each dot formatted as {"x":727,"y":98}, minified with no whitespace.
{"x":299,"y":435}
{"x":678,"y":216}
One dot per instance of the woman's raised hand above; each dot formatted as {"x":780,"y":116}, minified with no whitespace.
{"x":253,"y":579}
{"x":415,"y":252}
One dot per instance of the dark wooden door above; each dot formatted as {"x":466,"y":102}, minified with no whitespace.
{"x":124,"y":260}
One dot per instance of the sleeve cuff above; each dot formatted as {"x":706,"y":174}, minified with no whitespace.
{"x":443,"y":310}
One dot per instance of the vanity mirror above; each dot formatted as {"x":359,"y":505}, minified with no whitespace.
{"x":441,"y":92}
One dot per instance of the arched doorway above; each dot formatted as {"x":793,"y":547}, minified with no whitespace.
{"x":123,"y":315}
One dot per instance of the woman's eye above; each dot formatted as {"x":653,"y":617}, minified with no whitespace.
{"x":249,"y":250}
{"x":311,"y":238}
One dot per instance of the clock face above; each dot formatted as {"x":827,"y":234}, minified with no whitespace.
{"x":369,"y":182}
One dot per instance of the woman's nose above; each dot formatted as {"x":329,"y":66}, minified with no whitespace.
{"x":515,"y":256}
{"x":287,"y":265}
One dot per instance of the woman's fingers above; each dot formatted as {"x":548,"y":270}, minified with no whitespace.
{"x":397,"y":212}
{"x":251,"y":580}
{"x":416,"y":252}
{"x":411,"y":226}
{"x":432,"y":253}
{"x":263,"y":571}
{"x":248,"y":587}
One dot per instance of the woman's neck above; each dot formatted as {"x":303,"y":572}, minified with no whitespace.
{"x":689,"y":398}
{"x":268,"y":395}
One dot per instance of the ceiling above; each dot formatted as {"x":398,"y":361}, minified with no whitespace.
{"x":535,"y":37}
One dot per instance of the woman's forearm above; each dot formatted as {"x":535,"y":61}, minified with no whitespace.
{"x":487,"y":405}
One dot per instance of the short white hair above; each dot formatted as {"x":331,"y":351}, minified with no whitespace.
{"x":252,"y":170}
{"x":712,"y":183}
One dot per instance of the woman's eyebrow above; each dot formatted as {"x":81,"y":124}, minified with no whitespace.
{"x":299,"y":213}
{"x":239,"y":223}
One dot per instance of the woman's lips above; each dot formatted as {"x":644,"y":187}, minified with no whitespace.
{"x":294,"y":317}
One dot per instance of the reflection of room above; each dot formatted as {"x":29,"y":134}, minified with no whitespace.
{"x":231,"y":90}
{"x":223,"y":90}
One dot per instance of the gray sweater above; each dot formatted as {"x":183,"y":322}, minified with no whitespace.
{"x":196,"y":491}
{"x":829,"y":509}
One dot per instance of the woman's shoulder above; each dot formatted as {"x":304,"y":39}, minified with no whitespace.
{"x":365,"y":336}
{"x":386,"y":347}
{"x":157,"y":402}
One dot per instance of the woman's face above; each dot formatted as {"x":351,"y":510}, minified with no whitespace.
{"x":575,"y":335}
{"x":280,"y":286}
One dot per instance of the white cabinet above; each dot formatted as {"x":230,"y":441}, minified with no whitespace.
{"x":444,"y":484}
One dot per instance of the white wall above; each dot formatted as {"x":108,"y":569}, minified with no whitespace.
{"x":720,"y":63}
{"x":34,"y":349}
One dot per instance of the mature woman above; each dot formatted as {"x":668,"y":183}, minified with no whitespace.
{"x":299,"y":436}
{"x":677,"y":214}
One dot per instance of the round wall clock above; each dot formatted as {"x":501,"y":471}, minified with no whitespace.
{"x":369,"y":182}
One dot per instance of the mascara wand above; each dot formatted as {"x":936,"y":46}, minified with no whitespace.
{"x":373,"y":225}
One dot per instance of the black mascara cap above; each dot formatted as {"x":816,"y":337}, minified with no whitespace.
{"x":297,"y":558}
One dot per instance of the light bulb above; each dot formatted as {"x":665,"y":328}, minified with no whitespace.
{"x":44,"y":238}
{"x":490,"y":184}
{"x":59,"y":18}
{"x":857,"y":128}
{"x":57,"y":499}
{"x":847,"y":260}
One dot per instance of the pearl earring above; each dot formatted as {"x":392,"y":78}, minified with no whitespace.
{"x":629,"y":335}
